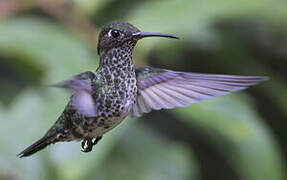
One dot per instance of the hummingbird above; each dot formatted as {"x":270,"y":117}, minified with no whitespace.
{"x":101,"y":100}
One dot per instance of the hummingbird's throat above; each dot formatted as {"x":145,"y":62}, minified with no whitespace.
{"x":116,"y":67}
{"x":118,"y":57}
{"x":118,"y":88}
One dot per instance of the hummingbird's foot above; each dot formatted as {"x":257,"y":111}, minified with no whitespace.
{"x":87,"y":144}
{"x":97,"y":140}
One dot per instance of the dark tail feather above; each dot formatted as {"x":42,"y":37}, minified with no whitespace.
{"x":37,"y":146}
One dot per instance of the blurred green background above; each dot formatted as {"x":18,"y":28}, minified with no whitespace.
{"x":241,"y":136}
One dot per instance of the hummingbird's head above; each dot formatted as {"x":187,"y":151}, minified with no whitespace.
{"x":117,"y":34}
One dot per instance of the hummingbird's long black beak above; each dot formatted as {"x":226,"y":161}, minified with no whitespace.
{"x":139,"y":35}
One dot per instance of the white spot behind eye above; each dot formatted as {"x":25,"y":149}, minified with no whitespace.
{"x":110,"y":33}
{"x":114,"y":33}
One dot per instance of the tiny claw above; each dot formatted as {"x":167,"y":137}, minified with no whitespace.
{"x":97,"y":140}
{"x":87,"y":141}
{"x":83,"y":143}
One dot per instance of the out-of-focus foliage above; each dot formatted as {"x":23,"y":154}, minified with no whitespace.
{"x":239,"y":136}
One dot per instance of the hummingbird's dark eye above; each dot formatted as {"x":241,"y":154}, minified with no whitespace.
{"x":114,"y":33}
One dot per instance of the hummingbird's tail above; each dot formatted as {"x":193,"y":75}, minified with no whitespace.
{"x":38,"y":145}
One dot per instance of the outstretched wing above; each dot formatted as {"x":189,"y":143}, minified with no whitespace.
{"x":82,"y":99}
{"x":78,"y":82}
{"x":165,"y":89}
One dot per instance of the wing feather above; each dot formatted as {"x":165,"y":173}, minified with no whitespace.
{"x":163,"y":97}
{"x":165,"y":89}
{"x":165,"y":94}
{"x":160,"y":103}
{"x":179,"y":99}
{"x":81,"y":100}
{"x":142,"y":105}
